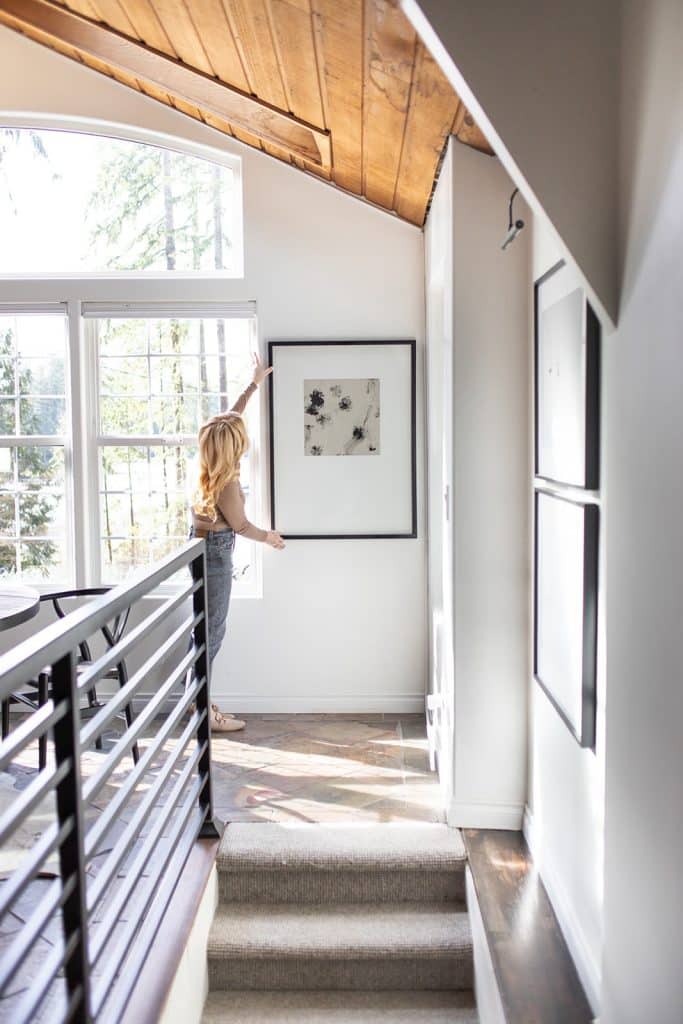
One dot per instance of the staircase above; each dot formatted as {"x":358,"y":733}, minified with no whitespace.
{"x":350,"y":924}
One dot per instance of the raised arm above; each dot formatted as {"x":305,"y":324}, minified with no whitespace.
{"x":241,"y":403}
{"x":259,"y":374}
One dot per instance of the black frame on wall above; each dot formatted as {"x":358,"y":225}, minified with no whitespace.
{"x":587,"y":733}
{"x":412,"y":532}
{"x":592,"y":385}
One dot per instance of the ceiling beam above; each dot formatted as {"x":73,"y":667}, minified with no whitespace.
{"x":49,"y":23}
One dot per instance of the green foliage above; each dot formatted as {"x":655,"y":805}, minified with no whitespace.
{"x":139,"y":225}
{"x":36,"y":468}
{"x":10,"y":139}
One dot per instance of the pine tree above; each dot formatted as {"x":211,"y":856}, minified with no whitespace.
{"x":35,"y":464}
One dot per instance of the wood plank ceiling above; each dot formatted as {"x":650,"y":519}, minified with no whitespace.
{"x":343,"y":89}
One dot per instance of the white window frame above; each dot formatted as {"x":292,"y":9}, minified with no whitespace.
{"x":90,"y":313}
{"x":65,"y":440}
{"x":132,"y":291}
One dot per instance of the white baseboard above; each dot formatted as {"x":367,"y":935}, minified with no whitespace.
{"x":489,"y":1004}
{"x":279,"y":704}
{"x":503,"y":816}
{"x":190,"y":987}
{"x":588,"y":969}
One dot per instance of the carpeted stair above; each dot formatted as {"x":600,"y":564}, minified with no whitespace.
{"x":347,"y":924}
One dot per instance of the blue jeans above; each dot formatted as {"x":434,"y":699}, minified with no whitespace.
{"x":219,"y":548}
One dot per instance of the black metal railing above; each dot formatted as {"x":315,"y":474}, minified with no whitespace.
{"x":137,"y":833}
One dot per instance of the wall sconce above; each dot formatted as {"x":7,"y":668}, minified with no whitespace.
{"x":514,"y":227}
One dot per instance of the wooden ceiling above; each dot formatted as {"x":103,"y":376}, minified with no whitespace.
{"x":343,"y":89}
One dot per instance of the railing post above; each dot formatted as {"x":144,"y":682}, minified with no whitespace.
{"x":201,"y":670}
{"x":71,"y":852}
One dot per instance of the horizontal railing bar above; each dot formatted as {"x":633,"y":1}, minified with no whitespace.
{"x":106,"y":819}
{"x":13,"y":957}
{"x":94,"y":784}
{"x":125,"y":694}
{"x":28,"y":798}
{"x":38,"y":723}
{"x":56,"y":958}
{"x":115,"y":959}
{"x":51,"y":644}
{"x":117,"y":653}
{"x":126,"y":840}
{"x":31,"y":864}
{"x":108,"y":923}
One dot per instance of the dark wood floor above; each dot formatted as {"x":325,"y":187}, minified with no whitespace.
{"x":536,"y":976}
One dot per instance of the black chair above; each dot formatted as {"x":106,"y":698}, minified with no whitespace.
{"x":112,"y":633}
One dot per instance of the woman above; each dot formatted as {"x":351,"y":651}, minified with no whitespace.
{"x":218,"y":515}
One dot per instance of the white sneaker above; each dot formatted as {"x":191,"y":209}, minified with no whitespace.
{"x":225,"y":714}
{"x":222,"y":722}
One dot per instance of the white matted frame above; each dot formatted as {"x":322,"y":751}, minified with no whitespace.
{"x":370,"y":495}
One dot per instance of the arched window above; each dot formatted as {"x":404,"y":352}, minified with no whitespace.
{"x":83,"y":204}
{"x":116,"y":343}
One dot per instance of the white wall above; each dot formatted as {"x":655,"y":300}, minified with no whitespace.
{"x":607,"y":828}
{"x":439,"y":309}
{"x":565,"y":814}
{"x":342,"y":624}
{"x":490,"y":501}
{"x":643,"y":980}
{"x":541,"y":79}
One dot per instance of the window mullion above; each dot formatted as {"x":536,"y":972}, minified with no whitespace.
{"x":88,"y":429}
{"x":74,"y":464}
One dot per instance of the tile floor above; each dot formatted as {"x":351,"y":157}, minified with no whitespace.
{"x":325,"y":768}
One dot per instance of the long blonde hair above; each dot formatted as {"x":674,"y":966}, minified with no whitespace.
{"x":222,"y":443}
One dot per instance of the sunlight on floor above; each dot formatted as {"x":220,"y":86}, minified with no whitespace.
{"x":326,"y":768}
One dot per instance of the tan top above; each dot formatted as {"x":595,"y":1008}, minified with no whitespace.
{"x":230,"y":512}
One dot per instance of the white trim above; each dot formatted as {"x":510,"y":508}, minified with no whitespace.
{"x":90,"y":454}
{"x":274,"y":704}
{"x":181,"y":310}
{"x":75,"y":483}
{"x":500,"y":816}
{"x":489,"y":1003}
{"x":190,"y":985}
{"x":120,"y":130}
{"x":33,"y":308}
{"x":33,"y":440}
{"x":589,"y":970}
{"x":144,"y":440}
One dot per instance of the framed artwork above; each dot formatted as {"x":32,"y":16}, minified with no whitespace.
{"x":567,"y":381}
{"x":565,"y":607}
{"x":342,"y":439}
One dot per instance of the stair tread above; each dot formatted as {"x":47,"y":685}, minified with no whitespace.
{"x":344,"y":931}
{"x":268,"y":846}
{"x":345,"y":1007}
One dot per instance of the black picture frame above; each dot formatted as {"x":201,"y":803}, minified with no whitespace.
{"x":590,"y":477}
{"x":584,"y":731}
{"x":412,"y":532}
